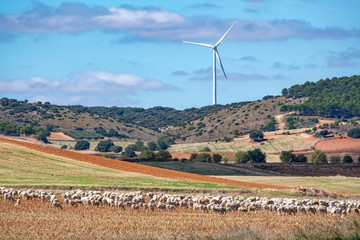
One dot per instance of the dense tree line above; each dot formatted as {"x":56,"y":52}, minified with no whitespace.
{"x":336,"y":97}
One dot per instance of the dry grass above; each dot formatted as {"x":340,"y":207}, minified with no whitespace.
{"x":345,"y":145}
{"x":38,"y":220}
{"x":338,"y":184}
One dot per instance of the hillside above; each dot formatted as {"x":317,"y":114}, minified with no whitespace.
{"x":336,"y":98}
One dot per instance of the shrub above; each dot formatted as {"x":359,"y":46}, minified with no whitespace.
{"x":164,"y":142}
{"x":139,"y":146}
{"x":82,"y":145}
{"x":104,"y":146}
{"x":152,"y":145}
{"x":116,"y":149}
{"x":242,"y":157}
{"x":335,"y":159}
{"x":193,"y":156}
{"x":317,"y":157}
{"x":216,"y":158}
{"x":64,"y":147}
{"x":109,"y":155}
{"x":347,"y":159}
{"x":42,"y":137}
{"x":354,"y":133}
{"x":203,"y":157}
{"x":206,"y":149}
{"x":301,"y":158}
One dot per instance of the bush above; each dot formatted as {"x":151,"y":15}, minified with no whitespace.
{"x":301,"y":158}
{"x":109,"y":155}
{"x":64,"y":147}
{"x":242,"y":157}
{"x":152,"y":145}
{"x":256,"y":135}
{"x":216,"y":158}
{"x":317,"y":157}
{"x":42,"y":137}
{"x":347,"y":159}
{"x":82,"y":145}
{"x":206,"y":149}
{"x":354,"y":133}
{"x":164,"y":142}
{"x":335,"y":159}
{"x":193,"y":156}
{"x":139,"y":146}
{"x":203,"y":157}
{"x":104,"y":146}
{"x":116,"y":149}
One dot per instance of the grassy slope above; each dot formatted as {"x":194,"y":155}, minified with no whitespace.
{"x":25,"y":167}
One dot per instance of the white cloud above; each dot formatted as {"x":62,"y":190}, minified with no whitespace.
{"x":86,"y":82}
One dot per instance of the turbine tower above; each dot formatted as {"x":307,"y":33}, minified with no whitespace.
{"x":215,"y":55}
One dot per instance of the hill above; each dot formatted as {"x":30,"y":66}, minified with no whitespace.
{"x":336,"y":97}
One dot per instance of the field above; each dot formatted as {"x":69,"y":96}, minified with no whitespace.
{"x":39,"y":220}
{"x":345,"y":145}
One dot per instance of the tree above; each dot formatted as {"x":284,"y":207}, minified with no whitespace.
{"x":109,"y":155}
{"x":104,"y":146}
{"x":129,"y":152}
{"x":203,"y":157}
{"x":287,"y":156}
{"x":163,"y":155}
{"x":257,"y":155}
{"x":216,"y":158}
{"x":257,"y":135}
{"x":284,"y":92}
{"x":301,"y":158}
{"x":354,"y":133}
{"x":206,"y":149}
{"x":152,"y":145}
{"x":236,"y":132}
{"x":139,"y":146}
{"x":164,"y":142}
{"x":82,"y":145}
{"x":242,"y":157}
{"x":116,"y":149}
{"x":347,"y":159}
{"x":42,"y":137}
{"x":317,"y":157}
{"x":148,"y":154}
{"x":193,"y":156}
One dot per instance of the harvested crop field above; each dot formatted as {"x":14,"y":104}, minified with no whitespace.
{"x":138,"y":168}
{"x":344,"y":145}
{"x":59,"y":136}
{"x":39,"y":220}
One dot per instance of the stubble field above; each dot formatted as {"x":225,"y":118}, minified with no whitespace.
{"x":39,"y":220}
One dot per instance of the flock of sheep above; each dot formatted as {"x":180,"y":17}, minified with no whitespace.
{"x":160,"y":201}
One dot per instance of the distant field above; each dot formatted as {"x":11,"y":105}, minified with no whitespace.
{"x":275,"y":144}
{"x":21,"y":166}
{"x":339,"y":184}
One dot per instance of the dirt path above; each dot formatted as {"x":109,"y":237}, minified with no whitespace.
{"x":280,"y":119}
{"x":138,"y":168}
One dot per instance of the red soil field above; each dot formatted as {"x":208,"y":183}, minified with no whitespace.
{"x":59,"y":136}
{"x":345,"y":145}
{"x":138,"y":168}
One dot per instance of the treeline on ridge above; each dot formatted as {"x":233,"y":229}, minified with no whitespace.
{"x":336,"y":97}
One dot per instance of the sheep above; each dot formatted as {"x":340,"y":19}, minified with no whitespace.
{"x":57,"y":204}
{"x":9,"y":196}
{"x":17,"y":204}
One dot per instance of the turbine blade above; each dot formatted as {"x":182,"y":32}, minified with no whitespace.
{"x":222,"y":38}
{"x":218,"y":57}
{"x":200,"y":44}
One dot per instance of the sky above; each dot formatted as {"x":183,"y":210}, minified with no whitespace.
{"x":131,"y":54}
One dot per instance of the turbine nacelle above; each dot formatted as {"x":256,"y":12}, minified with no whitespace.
{"x":215,"y":55}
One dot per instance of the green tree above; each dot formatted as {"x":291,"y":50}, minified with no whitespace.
{"x":163,"y":155}
{"x":354,"y":133}
{"x":317,"y":157}
{"x":152,"y":145}
{"x":193,"y":156}
{"x":256,"y":135}
{"x":257,"y":155}
{"x":301,"y":158}
{"x":347,"y":159}
{"x":42,"y":137}
{"x":203,"y":157}
{"x":284,"y":92}
{"x":206,"y":149}
{"x":236,"y":132}
{"x":129,"y":152}
{"x":139,"y":146}
{"x":164,"y":142}
{"x":82,"y":145}
{"x":104,"y":146}
{"x":148,"y":154}
{"x":242,"y":157}
{"x":287,"y":156}
{"x":109,"y":155}
{"x":216,"y":158}
{"x":335,"y":159}
{"x":116,"y":149}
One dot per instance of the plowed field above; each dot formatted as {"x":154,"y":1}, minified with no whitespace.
{"x":345,"y":145}
{"x":137,"y":168}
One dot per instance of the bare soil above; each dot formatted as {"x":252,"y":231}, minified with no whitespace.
{"x":344,"y":145}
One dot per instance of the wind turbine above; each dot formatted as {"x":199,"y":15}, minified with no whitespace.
{"x":215,"y":55}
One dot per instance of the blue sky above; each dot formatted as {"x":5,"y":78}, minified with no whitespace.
{"x":130,"y":53}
